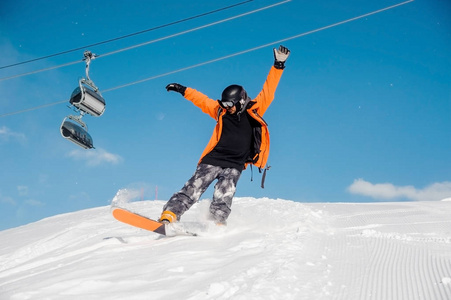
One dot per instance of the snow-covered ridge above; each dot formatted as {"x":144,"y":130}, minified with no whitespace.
{"x":271,"y":249}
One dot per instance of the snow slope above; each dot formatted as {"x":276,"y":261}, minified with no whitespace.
{"x":271,"y":249}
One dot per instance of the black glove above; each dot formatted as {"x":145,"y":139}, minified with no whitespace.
{"x":280,"y":56}
{"x":176,"y":88}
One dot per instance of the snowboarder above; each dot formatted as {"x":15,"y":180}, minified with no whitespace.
{"x":240,"y":138}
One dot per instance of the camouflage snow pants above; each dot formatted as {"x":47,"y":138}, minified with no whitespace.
{"x":225,"y":188}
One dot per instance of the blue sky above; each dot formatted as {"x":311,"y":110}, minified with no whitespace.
{"x":362,"y":113}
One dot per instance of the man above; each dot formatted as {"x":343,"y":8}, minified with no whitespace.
{"x":240,"y":138}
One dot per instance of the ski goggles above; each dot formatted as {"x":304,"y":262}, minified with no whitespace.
{"x":227,"y":104}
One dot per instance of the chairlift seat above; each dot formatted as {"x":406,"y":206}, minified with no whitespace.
{"x":88,"y":101}
{"x":76,"y":134}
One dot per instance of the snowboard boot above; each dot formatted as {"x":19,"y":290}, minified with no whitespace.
{"x":221,"y":223}
{"x":167,"y":217}
{"x":217,"y":221}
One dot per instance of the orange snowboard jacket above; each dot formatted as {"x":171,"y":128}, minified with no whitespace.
{"x":256,"y":109}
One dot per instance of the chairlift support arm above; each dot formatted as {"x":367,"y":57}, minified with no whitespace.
{"x":88,"y":56}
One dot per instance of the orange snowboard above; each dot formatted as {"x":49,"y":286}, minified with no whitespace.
{"x":139,"y":221}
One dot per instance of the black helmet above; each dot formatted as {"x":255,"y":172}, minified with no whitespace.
{"x":232,"y":95}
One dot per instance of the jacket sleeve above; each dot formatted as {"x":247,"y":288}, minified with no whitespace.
{"x":207,"y":105}
{"x":266,"y":95}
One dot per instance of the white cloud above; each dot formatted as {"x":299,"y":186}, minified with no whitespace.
{"x":6,"y":134}
{"x":23,"y":190}
{"x":33,"y":202}
{"x":81,"y":196}
{"x":388,"y":191}
{"x":95,"y":157}
{"x":160,"y":116}
{"x":7,"y":200}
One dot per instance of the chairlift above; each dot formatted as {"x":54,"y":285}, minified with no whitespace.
{"x":86,"y":99}
{"x":73,"y":129}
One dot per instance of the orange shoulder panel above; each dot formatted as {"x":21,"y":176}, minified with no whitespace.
{"x":207,"y":105}
{"x":266,"y":95}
